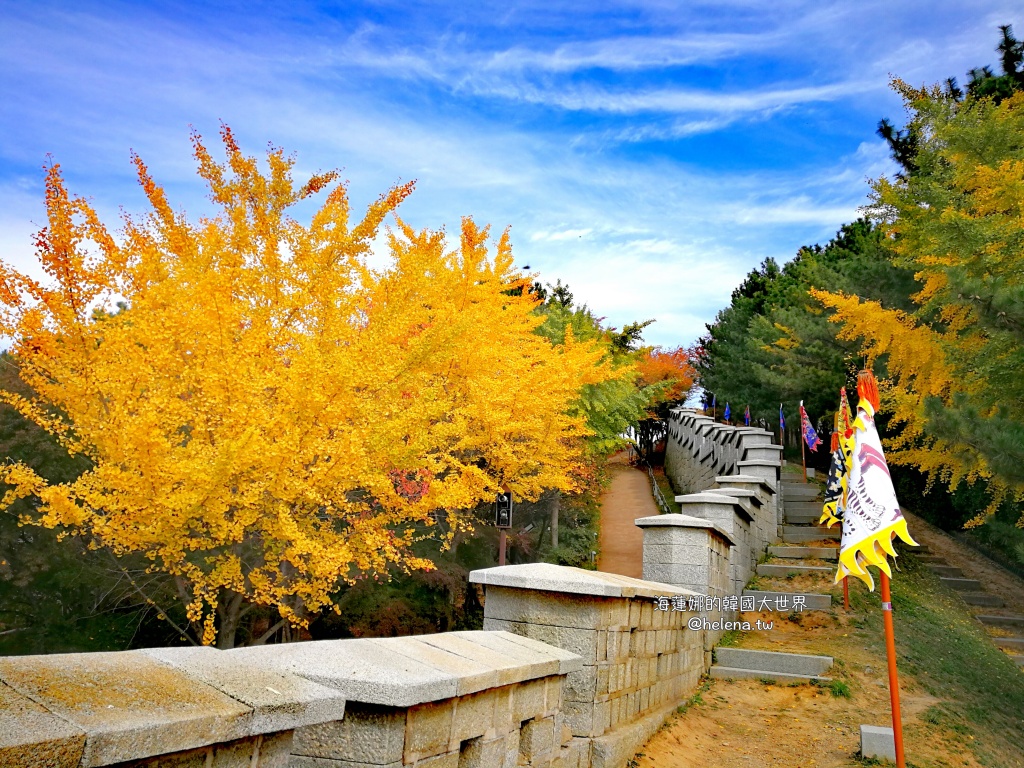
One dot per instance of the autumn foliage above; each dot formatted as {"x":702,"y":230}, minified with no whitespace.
{"x":673,"y":366}
{"x":269,"y":417}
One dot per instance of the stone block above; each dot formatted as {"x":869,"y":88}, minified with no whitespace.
{"x":617,"y":748}
{"x":580,"y":642}
{"x":275,"y":751}
{"x":428,"y":730}
{"x":511,"y":662}
{"x":536,"y":738}
{"x":364,"y":670}
{"x":529,"y":700}
{"x":583,"y":685}
{"x":525,"y":649}
{"x":546,"y":577}
{"x":129,"y":706}
{"x":474,"y":715}
{"x":560,"y":610}
{"x":370,"y":733}
{"x":279,"y":701}
{"x":483,"y":753}
{"x":878,"y":742}
{"x":32,"y":737}
{"x":447,"y":760}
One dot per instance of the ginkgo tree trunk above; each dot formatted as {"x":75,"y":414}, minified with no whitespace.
{"x":269,"y":418}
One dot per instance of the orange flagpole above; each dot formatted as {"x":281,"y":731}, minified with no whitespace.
{"x":894,"y":683}
{"x":802,"y":459}
{"x":846,"y":593}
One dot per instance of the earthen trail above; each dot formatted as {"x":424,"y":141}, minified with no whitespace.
{"x":627,"y":497}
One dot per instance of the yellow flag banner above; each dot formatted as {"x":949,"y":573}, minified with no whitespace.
{"x":872,"y":518}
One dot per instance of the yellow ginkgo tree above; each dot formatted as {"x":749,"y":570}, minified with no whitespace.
{"x":269,"y":417}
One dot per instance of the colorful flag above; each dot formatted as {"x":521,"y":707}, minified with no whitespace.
{"x":727,"y":411}
{"x":845,"y":417}
{"x":713,"y":400}
{"x":746,"y":416}
{"x":782,"y":419}
{"x":810,"y":436}
{"x":872,"y":518}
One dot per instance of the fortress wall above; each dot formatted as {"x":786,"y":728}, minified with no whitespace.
{"x":639,"y":662}
{"x":455,"y":700}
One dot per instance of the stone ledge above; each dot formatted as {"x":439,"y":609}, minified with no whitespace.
{"x":405,"y":671}
{"x":546,"y":577}
{"x":279,"y":702}
{"x":744,"y":480}
{"x":32,"y":737}
{"x":677,"y":520}
{"x":128,"y":705}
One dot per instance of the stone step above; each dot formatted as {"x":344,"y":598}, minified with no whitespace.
{"x":934,"y":559}
{"x":949,"y":571}
{"x":922,"y":549}
{"x":820,"y":530}
{"x":982,"y":598}
{"x":822,"y":553}
{"x":1018,"y":658}
{"x":736,"y":673}
{"x":1012,"y":643}
{"x":800,"y":493}
{"x":784,"y":569}
{"x":961,"y":585}
{"x":804,"y":508}
{"x":773,"y":662}
{"x":803,"y":538}
{"x":801,"y":518}
{"x":1002,"y":621}
{"x":812,"y":601}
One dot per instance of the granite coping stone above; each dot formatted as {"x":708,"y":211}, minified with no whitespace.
{"x":738,"y":493}
{"x":280,"y":701}
{"x":547,"y":577}
{"x":32,"y":737}
{"x":677,"y":520}
{"x":523,"y":647}
{"x":406,"y":671}
{"x":129,"y":705}
{"x":745,"y":480}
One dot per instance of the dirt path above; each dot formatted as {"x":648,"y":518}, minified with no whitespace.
{"x":628,"y":497}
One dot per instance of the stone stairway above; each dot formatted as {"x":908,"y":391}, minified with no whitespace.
{"x":735,"y":663}
{"x":806,"y":548}
{"x":1007,"y":631}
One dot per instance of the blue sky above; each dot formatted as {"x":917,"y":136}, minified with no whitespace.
{"x":648,"y":154}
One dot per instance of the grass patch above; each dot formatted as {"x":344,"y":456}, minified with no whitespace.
{"x":697,"y":699}
{"x":949,"y":654}
{"x":665,"y":486}
{"x":729,"y":638}
{"x":767,"y":680}
{"x":839,"y":689}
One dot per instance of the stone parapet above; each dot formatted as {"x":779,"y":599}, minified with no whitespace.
{"x":465,"y":699}
{"x":144,"y":707}
{"x":639,"y":658}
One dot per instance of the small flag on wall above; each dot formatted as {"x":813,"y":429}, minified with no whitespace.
{"x":728,"y":411}
{"x":782,"y":419}
{"x":810,"y":436}
{"x":746,"y":416}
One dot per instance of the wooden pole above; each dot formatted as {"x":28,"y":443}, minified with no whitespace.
{"x":894,"y":683}
{"x":501,"y":546}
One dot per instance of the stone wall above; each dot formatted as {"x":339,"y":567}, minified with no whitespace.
{"x":639,"y":662}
